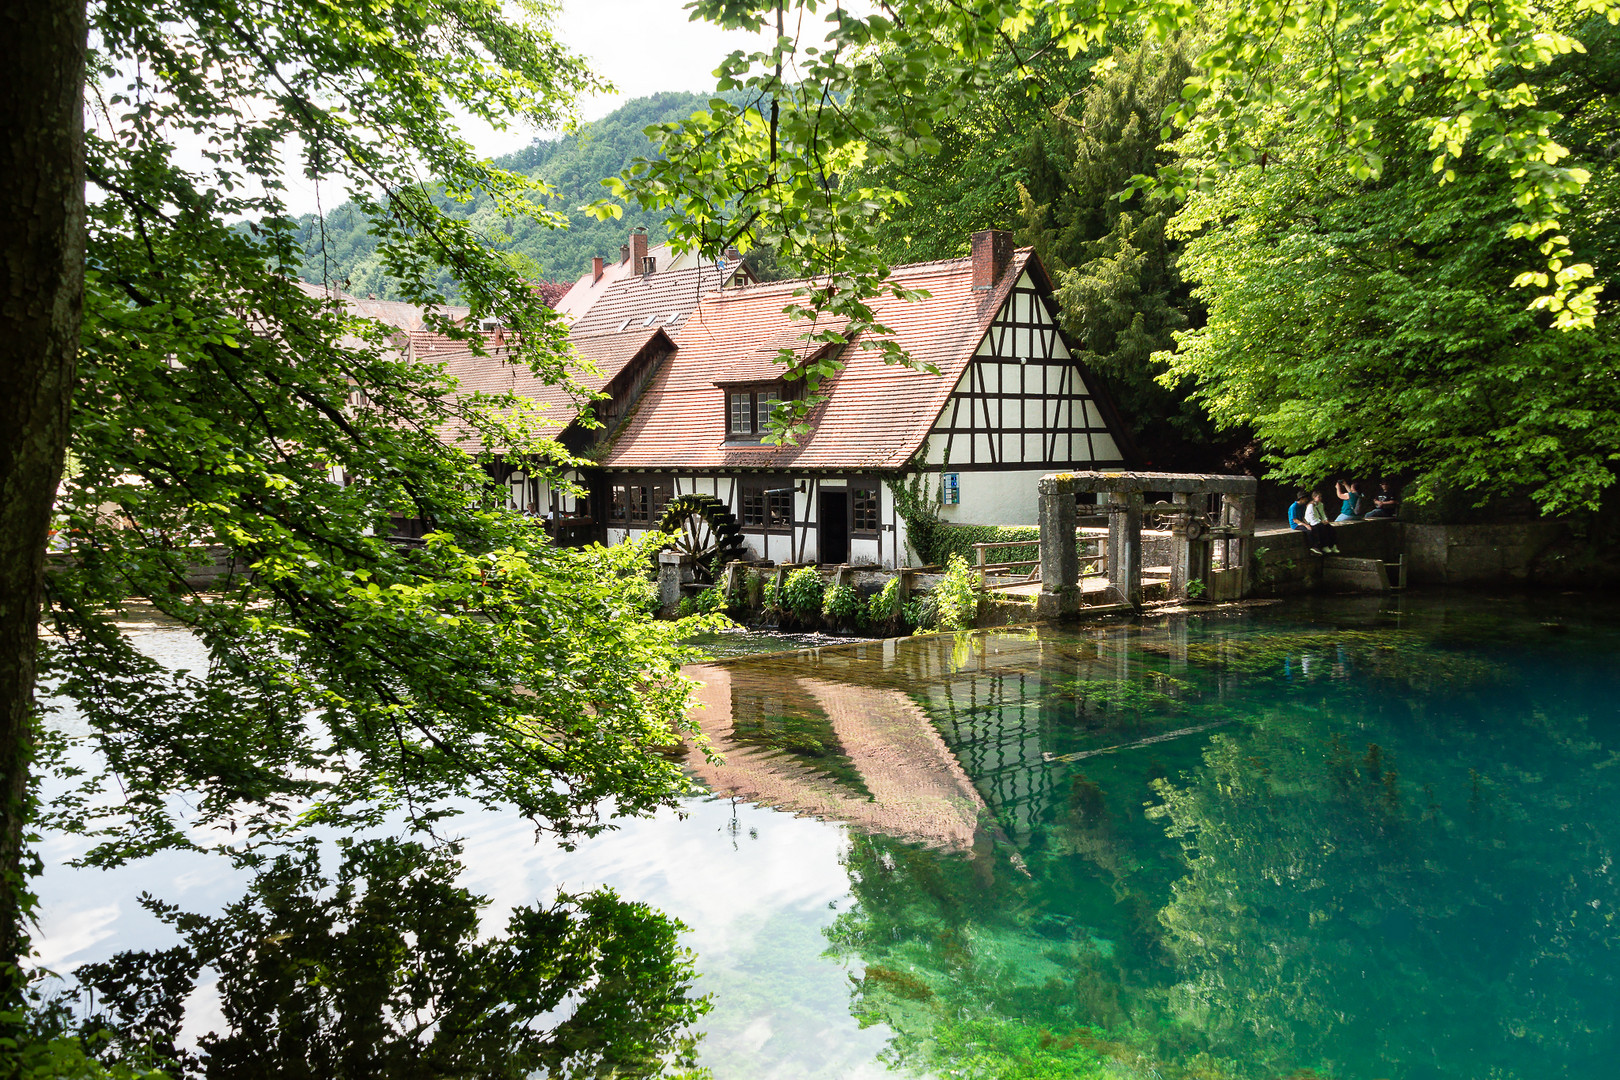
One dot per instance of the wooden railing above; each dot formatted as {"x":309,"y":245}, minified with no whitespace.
{"x":981,"y":554}
{"x":1091,"y":564}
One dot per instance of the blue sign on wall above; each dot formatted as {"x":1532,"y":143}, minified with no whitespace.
{"x":950,"y":489}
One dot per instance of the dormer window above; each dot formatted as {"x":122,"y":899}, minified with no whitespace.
{"x":749,"y":408}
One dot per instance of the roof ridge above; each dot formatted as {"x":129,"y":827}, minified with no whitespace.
{"x":894,"y":271}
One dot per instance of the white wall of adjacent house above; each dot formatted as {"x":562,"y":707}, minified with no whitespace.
{"x":1001,"y":497}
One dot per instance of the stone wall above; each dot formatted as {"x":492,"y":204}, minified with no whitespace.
{"x":1479,"y":554}
{"x":1283,"y":563}
{"x":1544,"y":552}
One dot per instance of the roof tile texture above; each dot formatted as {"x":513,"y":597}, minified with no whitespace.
{"x":876,"y":415}
{"x":667,"y":298}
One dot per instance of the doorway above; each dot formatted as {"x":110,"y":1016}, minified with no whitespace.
{"x":832,"y":529}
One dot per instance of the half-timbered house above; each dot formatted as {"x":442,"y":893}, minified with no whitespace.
{"x":687,"y":365}
{"x":1009,"y":403}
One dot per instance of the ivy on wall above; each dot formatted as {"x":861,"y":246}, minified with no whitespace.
{"x":948,"y":540}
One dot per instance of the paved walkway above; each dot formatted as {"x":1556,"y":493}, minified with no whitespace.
{"x":1090,"y":585}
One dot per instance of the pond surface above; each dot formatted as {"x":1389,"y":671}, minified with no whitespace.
{"x":1353,"y":838}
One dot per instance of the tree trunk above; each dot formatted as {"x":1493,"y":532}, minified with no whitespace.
{"x":42,"y":57}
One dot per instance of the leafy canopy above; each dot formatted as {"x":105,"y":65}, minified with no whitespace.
{"x":871,"y":98}
{"x":1359,"y":323}
{"x":226,"y":415}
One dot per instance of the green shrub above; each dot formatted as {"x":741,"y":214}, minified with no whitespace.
{"x":883,"y":610}
{"x":919,"y":613}
{"x":944,"y":540}
{"x":708,"y":601}
{"x":841,"y":603}
{"x":956,"y":601}
{"x":801,"y":593}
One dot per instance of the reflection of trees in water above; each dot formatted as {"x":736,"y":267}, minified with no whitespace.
{"x":1338,"y":913}
{"x":380,"y":973}
{"x":970,"y":967}
{"x":1393,"y":867}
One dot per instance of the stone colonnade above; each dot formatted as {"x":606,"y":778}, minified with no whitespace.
{"x":1194,"y":534}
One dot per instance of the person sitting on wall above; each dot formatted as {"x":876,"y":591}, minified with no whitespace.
{"x":1350,"y":496}
{"x":1384,"y":503}
{"x":1305,"y":514}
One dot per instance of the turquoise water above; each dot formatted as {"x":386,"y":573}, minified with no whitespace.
{"x":1358,"y":839}
{"x":1351,"y":838}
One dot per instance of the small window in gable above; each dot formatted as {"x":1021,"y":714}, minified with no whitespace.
{"x":749,"y":408}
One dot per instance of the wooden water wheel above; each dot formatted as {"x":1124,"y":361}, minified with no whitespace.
{"x":703,"y":527}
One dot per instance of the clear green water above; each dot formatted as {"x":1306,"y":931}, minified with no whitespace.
{"x":1347,"y":839}
{"x":1366,"y":840}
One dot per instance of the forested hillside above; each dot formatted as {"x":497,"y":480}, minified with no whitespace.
{"x":345,"y":252}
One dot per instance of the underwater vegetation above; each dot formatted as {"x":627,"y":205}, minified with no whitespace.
{"x":1406,"y":657}
{"x":1394,"y":860}
{"x":793,"y":723}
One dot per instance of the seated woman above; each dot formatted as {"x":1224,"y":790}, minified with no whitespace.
{"x":1384,"y":503}
{"x":1350,"y":496}
{"x":1306,"y":514}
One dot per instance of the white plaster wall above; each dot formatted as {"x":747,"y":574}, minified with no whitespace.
{"x":996,"y":497}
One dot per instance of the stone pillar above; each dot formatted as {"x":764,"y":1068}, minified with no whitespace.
{"x":1190,"y":550}
{"x":1125,"y":546}
{"x":733,"y":580}
{"x":1179,"y":553}
{"x":1240,"y":509}
{"x":674,"y":568}
{"x":1060,"y":562}
{"x":844,"y":575}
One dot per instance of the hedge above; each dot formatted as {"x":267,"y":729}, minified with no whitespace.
{"x":947,"y":540}
{"x":940,"y":541}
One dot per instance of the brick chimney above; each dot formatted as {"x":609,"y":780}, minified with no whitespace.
{"x":638,"y":249}
{"x":992,"y":253}
{"x":596,"y":269}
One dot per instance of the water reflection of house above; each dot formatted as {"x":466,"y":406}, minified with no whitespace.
{"x":910,"y":785}
{"x":932,"y":727}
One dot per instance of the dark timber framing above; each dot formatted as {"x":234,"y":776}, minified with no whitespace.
{"x":804,"y":520}
{"x":991,"y":410}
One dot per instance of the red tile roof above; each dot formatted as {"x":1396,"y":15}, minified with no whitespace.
{"x":395,"y":313}
{"x":432,"y":345}
{"x":667,"y":298}
{"x":876,"y":415}
{"x":497,"y":373}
